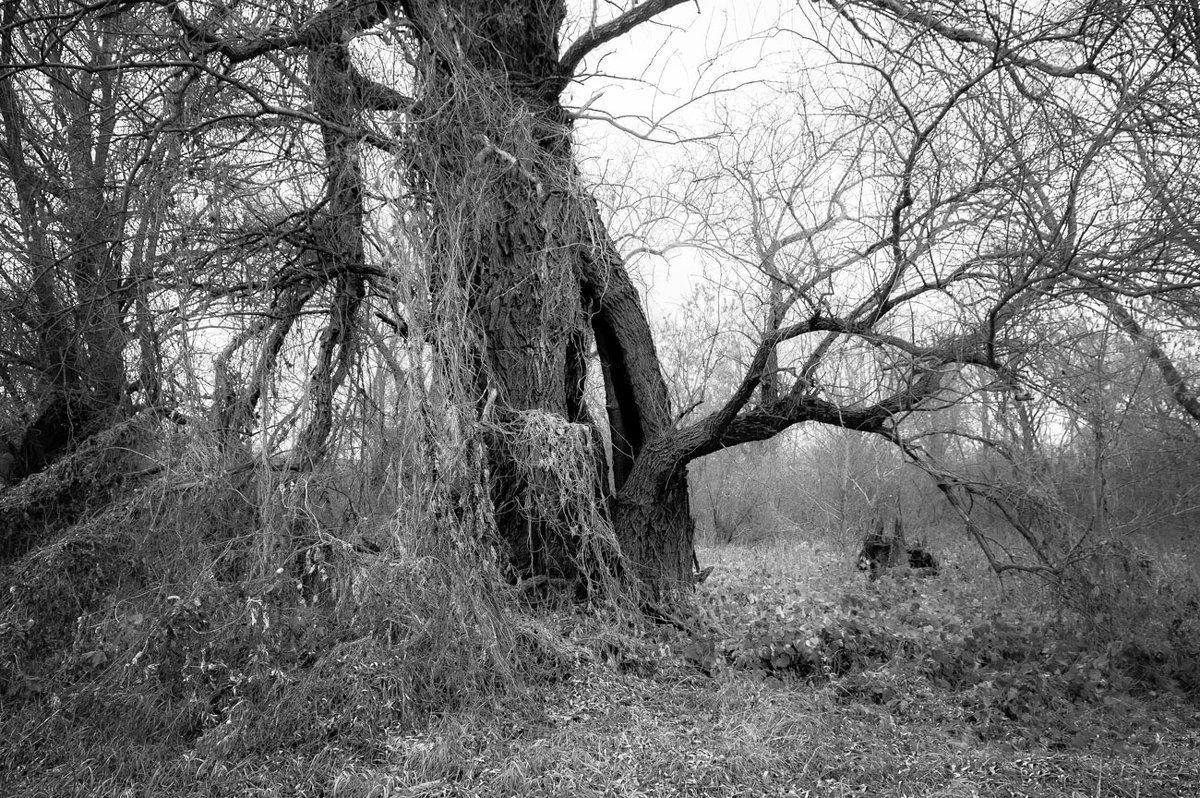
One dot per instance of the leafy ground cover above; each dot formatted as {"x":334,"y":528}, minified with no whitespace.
{"x":799,"y":677}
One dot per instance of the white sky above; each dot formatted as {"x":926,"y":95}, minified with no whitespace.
{"x":665,"y":80}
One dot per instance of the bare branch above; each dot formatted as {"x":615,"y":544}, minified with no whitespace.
{"x":1001,"y":51}
{"x":602,"y":34}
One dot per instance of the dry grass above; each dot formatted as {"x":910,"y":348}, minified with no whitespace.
{"x":603,"y":708}
{"x":604,"y":732}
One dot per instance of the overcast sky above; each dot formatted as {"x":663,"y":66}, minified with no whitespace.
{"x":665,"y":80}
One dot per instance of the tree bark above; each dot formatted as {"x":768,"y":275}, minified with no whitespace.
{"x":494,"y":156}
{"x":490,"y":157}
{"x":651,"y":507}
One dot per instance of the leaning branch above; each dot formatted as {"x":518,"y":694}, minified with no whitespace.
{"x":1185,"y":397}
{"x":765,"y":421}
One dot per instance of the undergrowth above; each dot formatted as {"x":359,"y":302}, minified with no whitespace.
{"x":1011,"y":660}
{"x":152,"y":651}
{"x":214,"y":619}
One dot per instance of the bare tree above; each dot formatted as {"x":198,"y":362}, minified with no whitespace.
{"x":231,"y":166}
{"x":985,"y":209}
{"x":258,"y":146}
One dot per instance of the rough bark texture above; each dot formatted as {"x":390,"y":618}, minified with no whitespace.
{"x":491,"y":146}
{"x":494,"y":156}
{"x":653,"y":519}
{"x":651,"y":507}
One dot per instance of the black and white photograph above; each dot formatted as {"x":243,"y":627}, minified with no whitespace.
{"x":581,"y":398}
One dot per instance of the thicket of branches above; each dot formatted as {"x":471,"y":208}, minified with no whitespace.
{"x":975,"y":252}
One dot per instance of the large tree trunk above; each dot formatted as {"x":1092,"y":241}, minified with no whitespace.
{"x":653,"y":520}
{"x":513,"y":231}
{"x":491,"y":155}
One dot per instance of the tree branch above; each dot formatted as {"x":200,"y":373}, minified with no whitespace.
{"x":376,"y":96}
{"x":339,"y":19}
{"x":1184,"y":396}
{"x":601,"y":34}
{"x":903,"y":12}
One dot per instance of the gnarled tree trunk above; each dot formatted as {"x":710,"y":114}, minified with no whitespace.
{"x":513,"y":230}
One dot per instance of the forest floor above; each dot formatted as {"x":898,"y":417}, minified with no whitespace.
{"x":806,"y":680}
{"x":671,"y":717}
